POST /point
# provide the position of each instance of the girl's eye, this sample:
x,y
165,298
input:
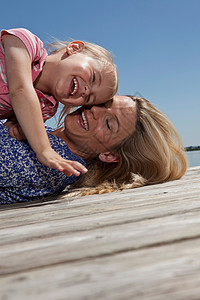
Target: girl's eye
x,y
108,125
93,79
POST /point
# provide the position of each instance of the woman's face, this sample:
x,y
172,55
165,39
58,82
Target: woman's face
x,y
98,129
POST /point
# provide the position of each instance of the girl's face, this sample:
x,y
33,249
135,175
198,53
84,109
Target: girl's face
x,y
81,80
97,129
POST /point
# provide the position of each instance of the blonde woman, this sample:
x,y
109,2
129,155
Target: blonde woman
x,y
153,153
125,143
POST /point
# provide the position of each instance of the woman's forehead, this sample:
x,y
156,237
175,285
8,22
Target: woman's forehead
x,y
125,109
123,102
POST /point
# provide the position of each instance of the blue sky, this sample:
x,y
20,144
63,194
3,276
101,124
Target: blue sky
x,y
155,44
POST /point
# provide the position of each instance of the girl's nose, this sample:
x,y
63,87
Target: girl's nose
x,y
86,91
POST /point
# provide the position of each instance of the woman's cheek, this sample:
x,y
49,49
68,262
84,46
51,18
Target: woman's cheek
x,y
104,137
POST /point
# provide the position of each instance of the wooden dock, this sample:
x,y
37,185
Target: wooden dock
x,y
134,244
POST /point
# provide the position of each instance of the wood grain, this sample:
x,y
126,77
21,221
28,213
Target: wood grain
x,y
133,244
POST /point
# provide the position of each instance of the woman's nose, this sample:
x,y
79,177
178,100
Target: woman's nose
x,y
98,111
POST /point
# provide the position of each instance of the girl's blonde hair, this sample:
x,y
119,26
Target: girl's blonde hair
x,y
98,53
152,154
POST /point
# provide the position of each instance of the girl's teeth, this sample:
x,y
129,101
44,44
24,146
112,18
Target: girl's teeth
x,y
84,121
75,86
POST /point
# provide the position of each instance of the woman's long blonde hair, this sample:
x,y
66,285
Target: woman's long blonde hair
x,y
154,153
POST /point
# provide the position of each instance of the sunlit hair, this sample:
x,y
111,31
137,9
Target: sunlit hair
x,y
154,153
101,55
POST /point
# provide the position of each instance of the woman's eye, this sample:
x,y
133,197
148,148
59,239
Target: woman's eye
x,y
93,79
108,125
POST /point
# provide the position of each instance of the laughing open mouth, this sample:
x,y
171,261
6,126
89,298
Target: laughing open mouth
x,y
85,123
74,87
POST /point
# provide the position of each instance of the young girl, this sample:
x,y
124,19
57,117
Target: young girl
x,y
33,82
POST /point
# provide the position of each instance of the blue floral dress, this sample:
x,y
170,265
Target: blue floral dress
x,y
23,177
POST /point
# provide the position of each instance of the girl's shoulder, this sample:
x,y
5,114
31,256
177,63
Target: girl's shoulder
x,y
32,42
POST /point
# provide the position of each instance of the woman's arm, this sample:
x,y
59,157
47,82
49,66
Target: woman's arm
x,y
26,106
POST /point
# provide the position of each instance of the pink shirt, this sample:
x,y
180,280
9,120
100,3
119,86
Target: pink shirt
x,y
37,54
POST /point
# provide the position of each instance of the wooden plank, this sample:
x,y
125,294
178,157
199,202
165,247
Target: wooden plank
x,y
141,243
111,213
29,253
158,273
101,220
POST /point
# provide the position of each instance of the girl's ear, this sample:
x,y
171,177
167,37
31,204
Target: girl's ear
x,y
74,47
108,157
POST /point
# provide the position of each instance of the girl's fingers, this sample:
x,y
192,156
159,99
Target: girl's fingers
x,y
79,166
53,160
69,168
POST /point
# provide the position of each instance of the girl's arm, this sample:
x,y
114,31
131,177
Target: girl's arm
x,y
27,109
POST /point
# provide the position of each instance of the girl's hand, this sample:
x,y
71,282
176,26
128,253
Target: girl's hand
x,y
53,160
